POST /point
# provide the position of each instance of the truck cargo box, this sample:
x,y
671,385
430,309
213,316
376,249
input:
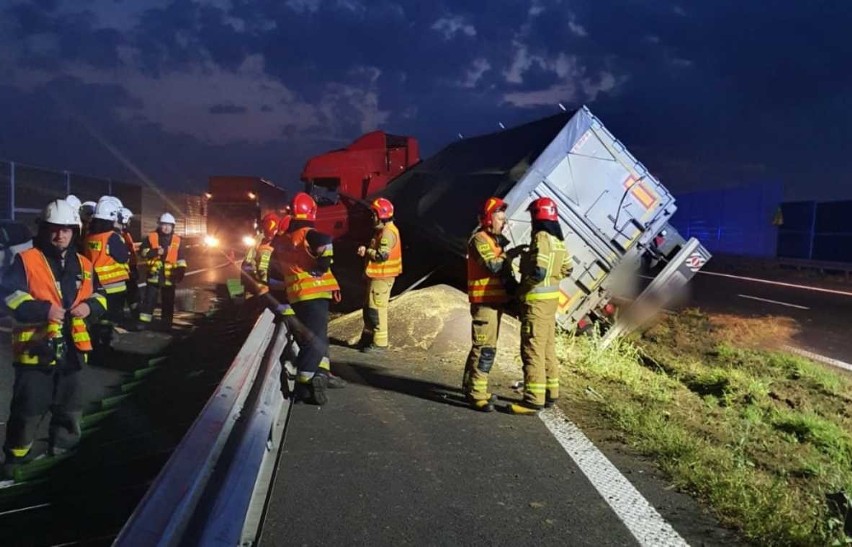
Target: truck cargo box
x,y
613,212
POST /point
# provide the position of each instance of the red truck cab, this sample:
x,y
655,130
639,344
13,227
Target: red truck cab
x,y
341,179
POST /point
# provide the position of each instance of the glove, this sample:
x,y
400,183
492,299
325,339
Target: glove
x,y
178,274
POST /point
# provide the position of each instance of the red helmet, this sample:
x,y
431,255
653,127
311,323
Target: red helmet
x,y
269,225
492,205
304,207
383,208
543,209
284,223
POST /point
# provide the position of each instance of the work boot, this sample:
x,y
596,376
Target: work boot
x,y
483,405
524,408
313,392
335,382
550,403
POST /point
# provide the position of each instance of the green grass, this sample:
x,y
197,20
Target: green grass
x,y
761,436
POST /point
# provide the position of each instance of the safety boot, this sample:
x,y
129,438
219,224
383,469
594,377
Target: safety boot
x,y
524,408
314,391
550,403
483,405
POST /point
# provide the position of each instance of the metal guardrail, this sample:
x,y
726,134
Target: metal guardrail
x,y
823,266
213,488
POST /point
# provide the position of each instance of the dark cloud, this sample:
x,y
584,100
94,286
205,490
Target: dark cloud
x,y
227,109
709,93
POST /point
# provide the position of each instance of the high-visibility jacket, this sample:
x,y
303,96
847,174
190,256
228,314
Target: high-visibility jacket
x,y
260,262
298,264
112,274
31,342
483,285
131,246
166,263
384,255
543,266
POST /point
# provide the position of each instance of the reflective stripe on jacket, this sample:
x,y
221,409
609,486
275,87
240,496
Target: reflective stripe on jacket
x,y
547,256
386,260
483,286
298,265
167,263
31,342
112,275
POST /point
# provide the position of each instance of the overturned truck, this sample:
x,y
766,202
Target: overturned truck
x,y
614,213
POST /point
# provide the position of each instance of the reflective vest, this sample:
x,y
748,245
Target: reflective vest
x,y
111,274
484,287
28,340
131,246
297,262
392,267
167,263
261,257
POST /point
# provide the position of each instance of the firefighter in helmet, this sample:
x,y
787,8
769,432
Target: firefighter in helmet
x,y
543,266
301,261
163,253
383,258
489,287
133,264
51,292
256,263
110,256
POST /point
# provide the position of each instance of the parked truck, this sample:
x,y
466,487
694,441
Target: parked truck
x,y
340,180
235,205
613,212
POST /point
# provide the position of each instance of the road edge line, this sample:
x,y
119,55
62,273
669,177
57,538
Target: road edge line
x,y
637,514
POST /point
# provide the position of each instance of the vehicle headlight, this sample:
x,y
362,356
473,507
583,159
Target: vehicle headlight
x,y
249,241
211,241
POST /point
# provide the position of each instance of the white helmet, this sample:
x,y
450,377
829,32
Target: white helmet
x,y
87,209
124,215
60,213
73,201
107,209
167,218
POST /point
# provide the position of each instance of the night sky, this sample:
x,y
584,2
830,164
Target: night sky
x,y
705,94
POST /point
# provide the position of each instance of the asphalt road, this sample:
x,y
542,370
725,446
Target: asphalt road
x,y
823,314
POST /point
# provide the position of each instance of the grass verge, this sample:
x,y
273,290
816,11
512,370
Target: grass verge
x,y
762,436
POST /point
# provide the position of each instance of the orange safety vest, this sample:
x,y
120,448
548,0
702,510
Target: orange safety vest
x,y
296,261
131,246
391,267
42,285
168,262
484,287
111,274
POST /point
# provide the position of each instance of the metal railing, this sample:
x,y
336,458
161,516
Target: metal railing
x,y
214,487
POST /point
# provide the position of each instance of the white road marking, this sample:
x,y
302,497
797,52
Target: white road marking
x,y
22,509
779,283
774,302
194,272
643,521
5,329
819,358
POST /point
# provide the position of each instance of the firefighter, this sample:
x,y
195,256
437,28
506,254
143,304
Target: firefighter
x,y
256,263
489,284
50,291
543,266
166,265
302,260
108,252
383,264
132,264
